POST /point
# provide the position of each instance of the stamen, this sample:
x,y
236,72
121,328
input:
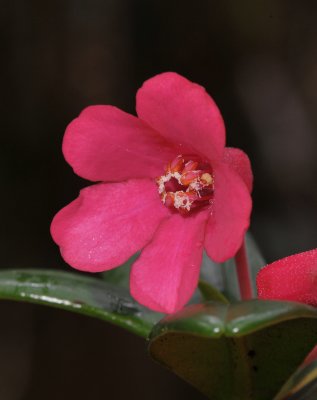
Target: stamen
x,y
206,179
190,177
198,184
190,166
176,165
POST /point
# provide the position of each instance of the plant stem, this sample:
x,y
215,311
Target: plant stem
x,y
243,273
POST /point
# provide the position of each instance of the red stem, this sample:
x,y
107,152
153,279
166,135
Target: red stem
x,y
243,273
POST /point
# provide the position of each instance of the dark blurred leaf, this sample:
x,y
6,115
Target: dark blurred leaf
x,y
80,294
245,350
210,293
224,277
255,257
302,385
120,276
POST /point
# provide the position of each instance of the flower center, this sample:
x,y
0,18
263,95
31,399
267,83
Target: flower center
x,y
187,184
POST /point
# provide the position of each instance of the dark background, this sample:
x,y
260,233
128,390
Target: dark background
x,y
258,59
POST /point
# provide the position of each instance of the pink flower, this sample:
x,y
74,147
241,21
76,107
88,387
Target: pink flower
x,y
292,278
169,188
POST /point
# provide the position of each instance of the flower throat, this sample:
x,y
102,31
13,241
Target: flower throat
x,y
187,184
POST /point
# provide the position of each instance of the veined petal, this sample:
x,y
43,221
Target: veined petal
x,y
108,223
107,144
292,278
239,162
230,215
166,274
183,113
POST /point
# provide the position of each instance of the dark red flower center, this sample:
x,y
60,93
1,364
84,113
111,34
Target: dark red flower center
x,y
188,183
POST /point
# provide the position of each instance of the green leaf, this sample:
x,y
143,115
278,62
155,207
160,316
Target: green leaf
x,y
245,350
302,385
78,293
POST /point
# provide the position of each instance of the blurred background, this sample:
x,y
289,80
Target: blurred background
x,y
258,59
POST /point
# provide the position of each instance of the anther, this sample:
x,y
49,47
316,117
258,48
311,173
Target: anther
x,y
190,166
189,177
206,179
176,165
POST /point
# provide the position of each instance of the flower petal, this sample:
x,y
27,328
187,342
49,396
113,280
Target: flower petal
x,y
230,215
292,278
108,223
107,144
184,113
166,274
239,161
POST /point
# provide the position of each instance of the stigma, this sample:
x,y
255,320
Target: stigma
x,y
188,183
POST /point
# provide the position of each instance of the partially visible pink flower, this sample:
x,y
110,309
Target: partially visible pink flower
x,y
169,188
292,278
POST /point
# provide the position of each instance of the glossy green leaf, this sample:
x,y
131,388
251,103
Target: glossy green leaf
x,y
302,385
78,293
245,350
